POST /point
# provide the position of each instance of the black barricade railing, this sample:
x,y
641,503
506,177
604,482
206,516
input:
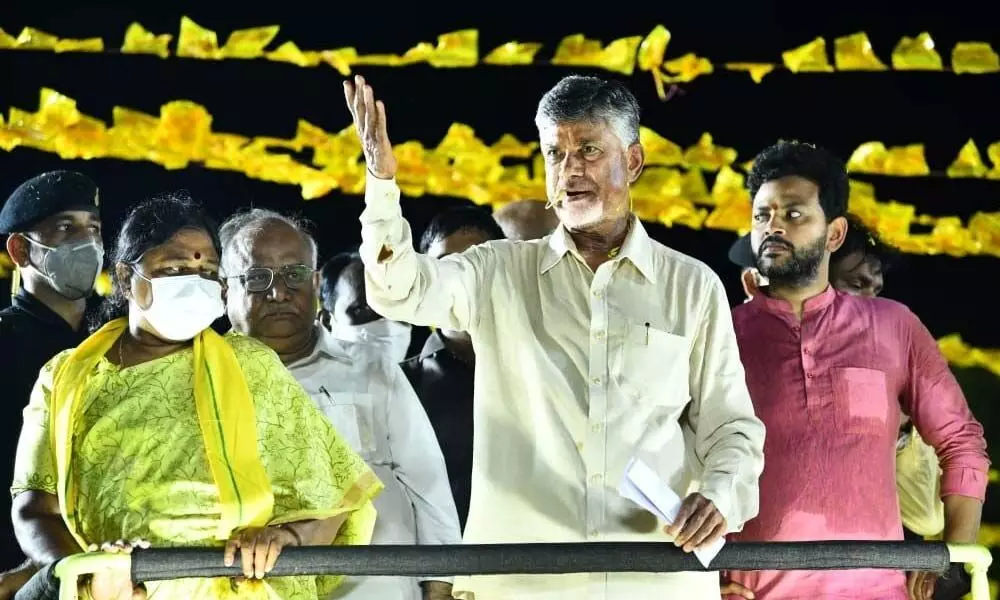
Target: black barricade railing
x,y
159,564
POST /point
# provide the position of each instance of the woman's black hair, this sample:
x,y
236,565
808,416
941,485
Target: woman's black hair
x,y
148,225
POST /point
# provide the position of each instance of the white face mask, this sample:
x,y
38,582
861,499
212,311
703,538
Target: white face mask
x,y
392,336
182,307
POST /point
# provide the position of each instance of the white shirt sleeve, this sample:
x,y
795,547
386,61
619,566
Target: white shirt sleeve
x,y
419,465
729,438
406,286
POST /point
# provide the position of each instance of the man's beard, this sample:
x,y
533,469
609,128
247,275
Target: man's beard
x,y
799,269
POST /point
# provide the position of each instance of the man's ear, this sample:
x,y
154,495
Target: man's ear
x,y
836,233
324,319
635,160
19,248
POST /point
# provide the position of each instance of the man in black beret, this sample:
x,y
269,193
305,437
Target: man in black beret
x,y
53,234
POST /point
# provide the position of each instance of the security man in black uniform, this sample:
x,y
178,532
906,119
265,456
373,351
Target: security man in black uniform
x,y
54,238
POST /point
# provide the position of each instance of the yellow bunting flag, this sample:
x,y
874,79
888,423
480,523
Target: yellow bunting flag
x,y
757,71
513,53
854,53
974,57
874,157
248,43
807,58
140,41
968,163
578,51
687,68
650,56
994,153
673,190
916,54
196,41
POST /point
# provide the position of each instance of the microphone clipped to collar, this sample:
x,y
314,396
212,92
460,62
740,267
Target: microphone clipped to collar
x,y
558,201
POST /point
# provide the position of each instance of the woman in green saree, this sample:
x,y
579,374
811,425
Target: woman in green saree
x,y
157,428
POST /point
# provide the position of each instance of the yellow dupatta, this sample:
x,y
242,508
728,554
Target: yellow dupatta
x,y
226,416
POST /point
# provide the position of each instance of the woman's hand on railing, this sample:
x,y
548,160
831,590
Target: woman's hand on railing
x,y
259,549
115,584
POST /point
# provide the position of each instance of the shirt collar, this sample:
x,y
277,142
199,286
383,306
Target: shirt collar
x,y
777,305
326,346
433,345
637,248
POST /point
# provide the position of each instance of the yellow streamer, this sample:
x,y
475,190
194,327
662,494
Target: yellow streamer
x,y
974,57
968,163
855,53
513,53
874,157
140,41
461,49
672,190
916,54
809,57
578,51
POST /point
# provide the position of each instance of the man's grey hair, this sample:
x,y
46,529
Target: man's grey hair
x,y
251,222
580,98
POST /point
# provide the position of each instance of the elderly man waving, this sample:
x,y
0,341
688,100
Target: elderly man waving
x,y
593,345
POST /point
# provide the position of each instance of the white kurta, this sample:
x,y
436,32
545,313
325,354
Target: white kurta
x,y
369,401
576,373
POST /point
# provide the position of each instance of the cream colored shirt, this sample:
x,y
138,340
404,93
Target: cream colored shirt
x,y
576,373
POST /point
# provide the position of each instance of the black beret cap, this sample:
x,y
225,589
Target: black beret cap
x,y
45,195
741,254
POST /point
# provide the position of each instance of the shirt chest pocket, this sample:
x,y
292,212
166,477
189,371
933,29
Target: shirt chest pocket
x,y
352,416
862,400
653,365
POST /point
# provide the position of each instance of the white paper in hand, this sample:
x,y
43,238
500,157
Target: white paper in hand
x,y
642,486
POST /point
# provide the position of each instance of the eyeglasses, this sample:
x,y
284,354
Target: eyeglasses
x,y
260,279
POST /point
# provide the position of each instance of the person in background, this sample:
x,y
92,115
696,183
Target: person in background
x,y
830,373
594,346
524,220
443,373
133,452
345,312
269,261
53,228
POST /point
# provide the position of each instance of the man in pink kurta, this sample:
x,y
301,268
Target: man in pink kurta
x,y
827,374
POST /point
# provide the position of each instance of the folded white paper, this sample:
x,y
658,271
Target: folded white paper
x,y
642,486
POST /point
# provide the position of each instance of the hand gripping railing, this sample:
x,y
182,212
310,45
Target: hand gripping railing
x,y
160,564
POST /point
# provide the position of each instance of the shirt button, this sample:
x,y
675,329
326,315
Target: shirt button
x,y
579,446
810,375
594,534
596,381
599,335
598,293
596,428
596,479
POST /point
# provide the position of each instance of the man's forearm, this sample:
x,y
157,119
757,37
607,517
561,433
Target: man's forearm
x,y
962,516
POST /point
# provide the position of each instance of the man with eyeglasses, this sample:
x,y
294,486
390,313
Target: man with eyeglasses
x,y
269,263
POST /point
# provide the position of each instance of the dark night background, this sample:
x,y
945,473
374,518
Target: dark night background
x,y
262,98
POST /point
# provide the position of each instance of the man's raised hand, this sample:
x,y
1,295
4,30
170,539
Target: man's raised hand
x,y
369,120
